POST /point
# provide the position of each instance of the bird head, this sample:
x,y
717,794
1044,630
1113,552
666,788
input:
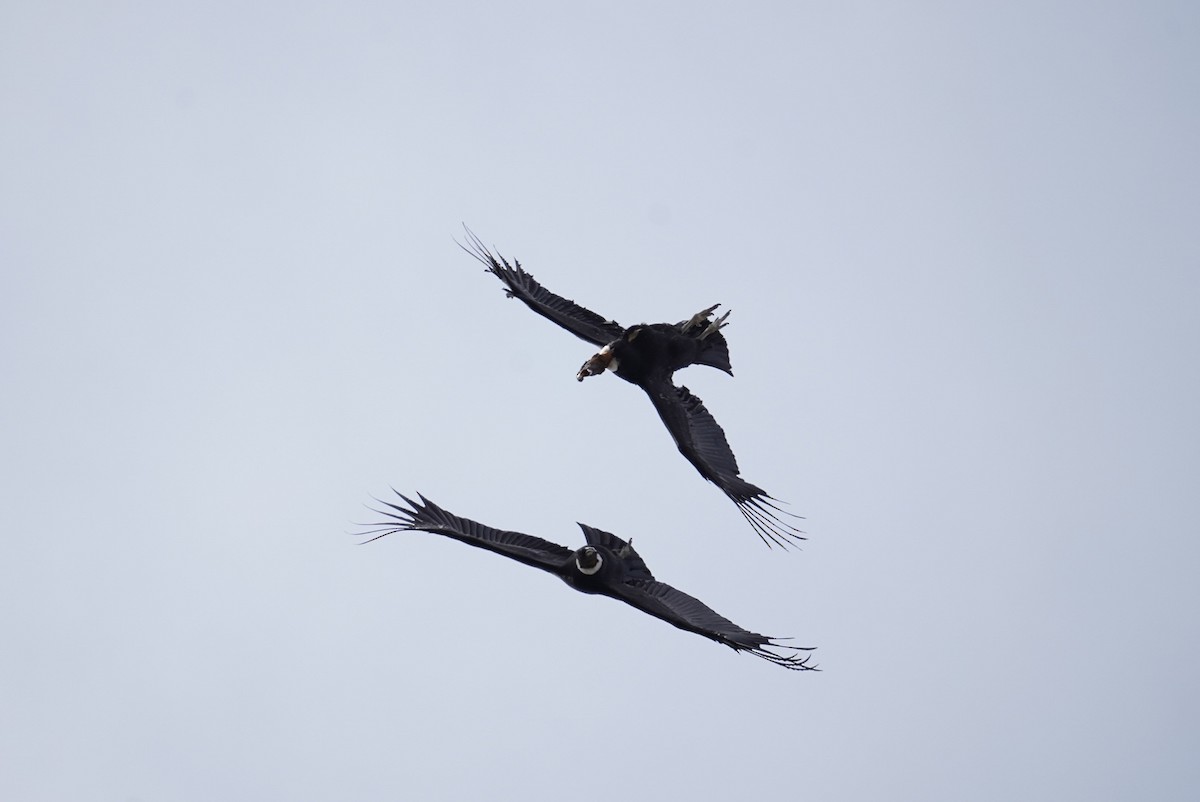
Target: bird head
x,y
602,360
588,560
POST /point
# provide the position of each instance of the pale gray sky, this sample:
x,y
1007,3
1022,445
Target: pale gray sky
x,y
960,246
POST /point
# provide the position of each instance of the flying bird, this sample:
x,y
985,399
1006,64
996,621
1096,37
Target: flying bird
x,y
648,355
607,566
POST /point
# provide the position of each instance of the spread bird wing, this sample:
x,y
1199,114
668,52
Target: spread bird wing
x,y
702,441
429,517
583,323
692,615
635,566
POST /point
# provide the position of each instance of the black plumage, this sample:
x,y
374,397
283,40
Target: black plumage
x,y
606,566
648,355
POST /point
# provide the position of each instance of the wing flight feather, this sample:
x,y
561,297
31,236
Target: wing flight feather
x,y
429,517
702,441
692,615
581,322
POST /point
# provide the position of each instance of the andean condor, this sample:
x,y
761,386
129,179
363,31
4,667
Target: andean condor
x,y
648,355
607,566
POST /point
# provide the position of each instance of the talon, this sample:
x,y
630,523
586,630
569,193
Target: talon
x,y
698,319
716,325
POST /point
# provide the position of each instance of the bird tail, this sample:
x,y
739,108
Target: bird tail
x,y
714,352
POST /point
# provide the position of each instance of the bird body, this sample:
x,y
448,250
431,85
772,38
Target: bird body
x,y
651,353
606,566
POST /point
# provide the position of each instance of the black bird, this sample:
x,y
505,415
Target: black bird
x,y
607,566
648,355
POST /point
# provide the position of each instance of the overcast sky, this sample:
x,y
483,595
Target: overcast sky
x,y
961,250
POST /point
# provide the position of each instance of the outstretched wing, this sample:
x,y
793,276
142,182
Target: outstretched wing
x,y
701,439
583,323
690,614
429,517
635,566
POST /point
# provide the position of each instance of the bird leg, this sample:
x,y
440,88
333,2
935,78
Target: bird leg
x,y
698,319
715,325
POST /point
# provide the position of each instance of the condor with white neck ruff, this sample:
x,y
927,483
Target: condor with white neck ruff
x,y
606,566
